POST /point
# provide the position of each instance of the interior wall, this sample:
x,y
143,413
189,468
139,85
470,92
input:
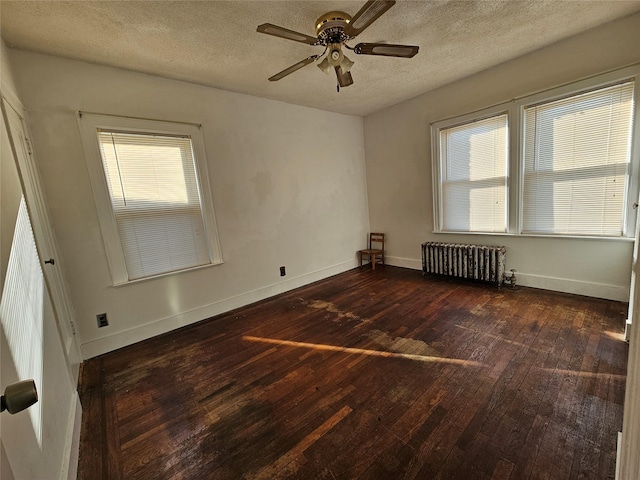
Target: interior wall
x,y
288,187
398,165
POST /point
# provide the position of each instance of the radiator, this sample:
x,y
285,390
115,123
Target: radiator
x,y
475,262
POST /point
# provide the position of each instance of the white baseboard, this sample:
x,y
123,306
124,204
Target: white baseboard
x,y
578,287
566,285
618,450
127,337
403,262
72,446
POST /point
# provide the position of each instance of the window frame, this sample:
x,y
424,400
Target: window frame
x,y
438,174
516,169
89,124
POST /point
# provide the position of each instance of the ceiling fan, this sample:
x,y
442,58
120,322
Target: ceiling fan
x,y
333,31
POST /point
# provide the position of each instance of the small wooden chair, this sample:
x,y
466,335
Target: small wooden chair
x,y
373,253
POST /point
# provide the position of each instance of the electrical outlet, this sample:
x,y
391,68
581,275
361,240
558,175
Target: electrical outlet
x,y
283,272
102,320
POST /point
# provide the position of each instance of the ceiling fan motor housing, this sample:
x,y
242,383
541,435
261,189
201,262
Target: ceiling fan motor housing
x,y
330,28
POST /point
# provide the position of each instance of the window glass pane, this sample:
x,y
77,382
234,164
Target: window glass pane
x,y
577,153
474,175
154,192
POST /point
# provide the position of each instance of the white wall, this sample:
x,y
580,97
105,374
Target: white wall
x,y
288,186
398,165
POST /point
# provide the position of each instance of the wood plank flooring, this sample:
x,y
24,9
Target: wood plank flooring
x,y
367,375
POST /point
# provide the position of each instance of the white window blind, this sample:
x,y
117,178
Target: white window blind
x,y
576,157
153,187
474,159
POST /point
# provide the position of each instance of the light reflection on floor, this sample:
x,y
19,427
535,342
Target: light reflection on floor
x,y
580,373
615,335
363,351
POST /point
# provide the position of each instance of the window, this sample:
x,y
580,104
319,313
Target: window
x,y
571,153
153,200
576,157
474,175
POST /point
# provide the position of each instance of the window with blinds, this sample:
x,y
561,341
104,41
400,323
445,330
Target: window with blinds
x,y
562,162
473,165
576,163
155,196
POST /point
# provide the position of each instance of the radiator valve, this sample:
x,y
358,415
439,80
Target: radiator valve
x,y
512,278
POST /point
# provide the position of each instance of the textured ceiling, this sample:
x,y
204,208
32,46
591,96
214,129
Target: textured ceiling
x,y
215,43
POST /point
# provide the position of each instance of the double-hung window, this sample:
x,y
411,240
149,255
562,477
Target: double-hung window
x,y
152,193
576,163
573,162
474,159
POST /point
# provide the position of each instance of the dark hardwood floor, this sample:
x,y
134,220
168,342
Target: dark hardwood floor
x,y
367,375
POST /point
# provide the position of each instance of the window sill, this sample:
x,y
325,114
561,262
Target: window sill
x,y
167,274
541,235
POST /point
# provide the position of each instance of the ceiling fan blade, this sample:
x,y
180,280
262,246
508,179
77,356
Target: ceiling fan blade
x,y
368,14
344,78
293,68
386,49
281,32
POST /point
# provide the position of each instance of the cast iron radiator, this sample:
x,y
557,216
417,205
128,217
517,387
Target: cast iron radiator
x,y
476,262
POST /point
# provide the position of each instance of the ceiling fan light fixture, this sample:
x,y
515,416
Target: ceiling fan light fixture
x,y
324,65
346,64
344,78
335,58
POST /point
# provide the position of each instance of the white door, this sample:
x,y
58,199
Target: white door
x,y
34,441
40,442
56,286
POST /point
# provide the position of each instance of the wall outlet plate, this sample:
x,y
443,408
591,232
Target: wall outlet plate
x,y
283,271
102,320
